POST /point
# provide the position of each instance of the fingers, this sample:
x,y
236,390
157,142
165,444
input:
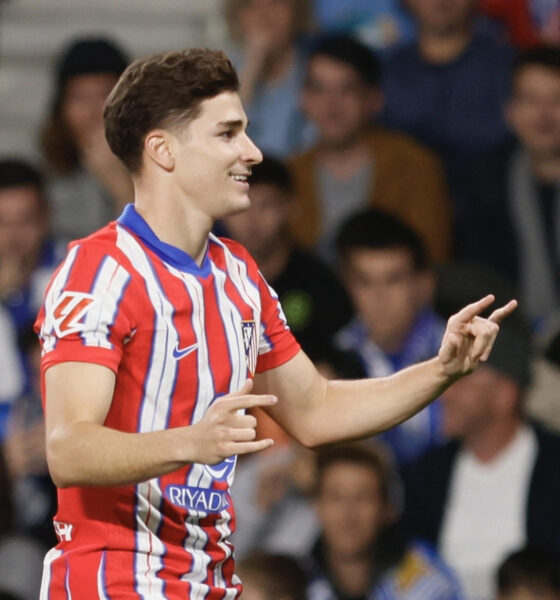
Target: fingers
x,y
244,389
449,350
233,403
484,333
470,311
251,447
504,311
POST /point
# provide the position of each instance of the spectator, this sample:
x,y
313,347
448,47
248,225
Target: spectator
x,y
360,553
271,577
315,306
33,492
382,24
496,486
28,255
88,185
269,59
529,574
21,558
448,88
516,189
11,371
272,489
354,165
388,276
528,22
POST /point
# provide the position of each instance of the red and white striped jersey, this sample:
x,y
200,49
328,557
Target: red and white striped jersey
x,y
178,336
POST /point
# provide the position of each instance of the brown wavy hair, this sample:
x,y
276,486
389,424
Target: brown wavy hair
x,y
162,90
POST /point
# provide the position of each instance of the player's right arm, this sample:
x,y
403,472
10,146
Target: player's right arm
x,y
81,450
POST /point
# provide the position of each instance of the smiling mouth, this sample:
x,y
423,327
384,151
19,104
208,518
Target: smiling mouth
x,y
240,178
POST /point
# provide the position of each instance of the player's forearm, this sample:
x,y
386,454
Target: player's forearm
x,y
84,453
358,409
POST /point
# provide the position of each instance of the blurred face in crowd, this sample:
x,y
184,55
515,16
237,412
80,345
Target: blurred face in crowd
x,y
533,593
23,223
476,402
272,19
442,16
534,110
82,104
262,227
338,102
351,508
387,292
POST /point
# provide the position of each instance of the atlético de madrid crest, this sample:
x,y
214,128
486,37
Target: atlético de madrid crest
x,y
250,342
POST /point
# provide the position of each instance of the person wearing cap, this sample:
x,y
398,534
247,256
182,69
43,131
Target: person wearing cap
x,y
87,184
496,486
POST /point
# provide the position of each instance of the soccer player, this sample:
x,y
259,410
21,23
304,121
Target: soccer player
x,y
157,335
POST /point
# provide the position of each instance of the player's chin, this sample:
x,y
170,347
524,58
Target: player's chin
x,y
236,205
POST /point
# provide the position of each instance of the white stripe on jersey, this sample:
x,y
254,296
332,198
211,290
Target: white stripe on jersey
x,y
67,582
49,340
159,385
206,391
197,538
50,557
110,282
231,318
101,579
237,269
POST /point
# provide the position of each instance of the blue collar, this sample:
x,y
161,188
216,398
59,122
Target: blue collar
x,y
170,254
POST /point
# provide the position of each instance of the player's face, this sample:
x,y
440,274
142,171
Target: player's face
x,y
22,223
262,227
442,16
214,156
534,111
337,101
386,292
468,405
350,508
82,105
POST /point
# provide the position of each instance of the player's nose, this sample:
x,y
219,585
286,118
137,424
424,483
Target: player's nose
x,y
251,153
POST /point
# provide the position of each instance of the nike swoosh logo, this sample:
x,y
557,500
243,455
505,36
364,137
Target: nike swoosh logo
x,y
179,353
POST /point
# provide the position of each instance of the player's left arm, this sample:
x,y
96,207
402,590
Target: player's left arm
x,y
316,411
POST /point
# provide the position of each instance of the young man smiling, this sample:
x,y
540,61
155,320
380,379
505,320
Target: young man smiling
x,y
141,433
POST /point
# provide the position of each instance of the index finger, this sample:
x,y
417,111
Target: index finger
x,y
470,311
234,403
502,312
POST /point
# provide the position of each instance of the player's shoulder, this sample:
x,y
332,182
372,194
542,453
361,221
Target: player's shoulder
x,y
98,246
235,249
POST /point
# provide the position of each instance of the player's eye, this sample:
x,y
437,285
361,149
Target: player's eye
x,y
228,134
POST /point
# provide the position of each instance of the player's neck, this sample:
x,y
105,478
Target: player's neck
x,y
179,225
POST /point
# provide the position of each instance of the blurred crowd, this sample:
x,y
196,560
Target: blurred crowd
x,y
412,165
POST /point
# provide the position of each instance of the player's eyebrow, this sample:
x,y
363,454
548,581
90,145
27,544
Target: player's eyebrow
x,y
234,124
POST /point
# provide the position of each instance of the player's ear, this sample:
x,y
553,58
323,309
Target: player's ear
x,y
158,148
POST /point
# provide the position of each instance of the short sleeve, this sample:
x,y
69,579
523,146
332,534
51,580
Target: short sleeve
x,y
84,316
277,344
